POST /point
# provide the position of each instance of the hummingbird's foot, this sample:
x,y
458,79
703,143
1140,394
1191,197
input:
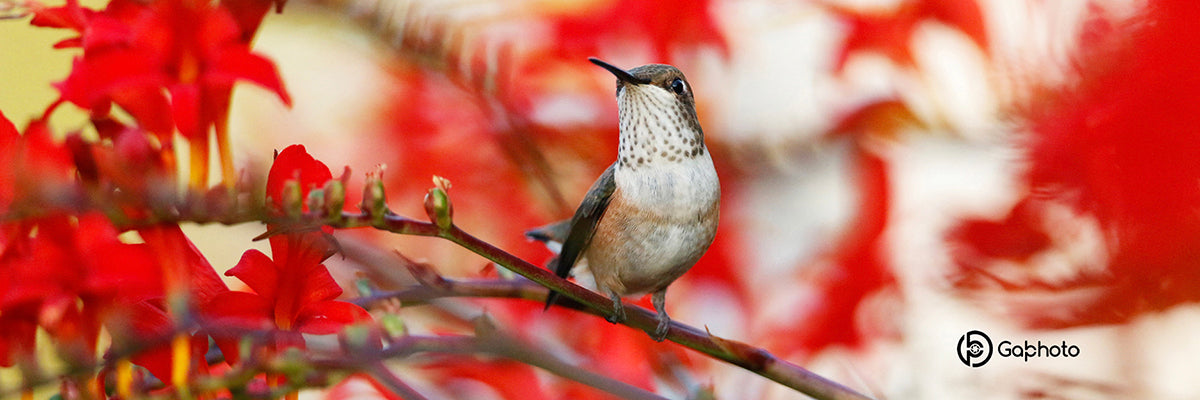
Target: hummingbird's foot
x,y
618,315
664,326
664,321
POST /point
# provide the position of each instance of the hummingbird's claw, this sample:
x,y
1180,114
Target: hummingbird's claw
x,y
659,299
618,315
664,325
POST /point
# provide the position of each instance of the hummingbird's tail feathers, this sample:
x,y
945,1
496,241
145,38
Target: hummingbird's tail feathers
x,y
550,299
555,232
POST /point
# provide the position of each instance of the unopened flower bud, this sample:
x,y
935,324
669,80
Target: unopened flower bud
x,y
437,204
361,339
316,201
293,205
374,201
393,325
335,199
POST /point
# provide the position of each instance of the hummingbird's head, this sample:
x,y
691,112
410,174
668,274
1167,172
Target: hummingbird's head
x,y
657,114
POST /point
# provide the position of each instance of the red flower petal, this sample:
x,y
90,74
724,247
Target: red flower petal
x,y
231,314
240,63
318,285
294,163
152,326
69,16
239,310
301,250
328,317
185,109
194,50
95,77
175,251
149,106
8,132
258,272
17,339
1016,238
890,33
128,273
303,281
663,25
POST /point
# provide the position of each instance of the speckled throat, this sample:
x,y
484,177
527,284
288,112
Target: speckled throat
x,y
657,125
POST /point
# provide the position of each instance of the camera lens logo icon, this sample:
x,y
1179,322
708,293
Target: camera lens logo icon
x,y
974,349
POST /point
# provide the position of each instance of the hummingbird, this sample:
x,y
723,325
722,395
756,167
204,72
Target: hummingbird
x,y
653,213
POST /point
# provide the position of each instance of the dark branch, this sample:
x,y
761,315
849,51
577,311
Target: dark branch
x,y
737,353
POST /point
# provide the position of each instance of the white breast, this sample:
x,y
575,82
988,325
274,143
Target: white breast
x,y
676,205
679,190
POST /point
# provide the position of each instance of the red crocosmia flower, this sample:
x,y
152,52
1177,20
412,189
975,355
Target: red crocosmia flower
x,y
72,275
32,161
170,64
662,25
1122,146
294,164
140,294
132,164
1017,237
297,296
293,291
37,287
890,32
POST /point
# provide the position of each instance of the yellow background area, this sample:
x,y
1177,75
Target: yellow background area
x,y
29,65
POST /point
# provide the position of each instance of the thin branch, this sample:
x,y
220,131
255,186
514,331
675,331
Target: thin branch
x,y
433,286
387,379
506,346
737,353
487,340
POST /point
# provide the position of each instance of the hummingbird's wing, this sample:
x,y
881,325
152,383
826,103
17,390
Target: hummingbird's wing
x,y
583,225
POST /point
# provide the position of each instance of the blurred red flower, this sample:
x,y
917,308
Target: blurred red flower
x,y
171,64
31,161
71,275
132,51
889,32
1122,147
660,26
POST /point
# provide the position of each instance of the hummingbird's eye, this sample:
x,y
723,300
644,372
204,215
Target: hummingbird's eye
x,y
678,86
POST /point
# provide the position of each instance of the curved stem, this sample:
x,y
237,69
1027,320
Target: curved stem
x,y
737,353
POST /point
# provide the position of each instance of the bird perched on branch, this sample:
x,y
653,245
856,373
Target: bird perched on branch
x,y
653,212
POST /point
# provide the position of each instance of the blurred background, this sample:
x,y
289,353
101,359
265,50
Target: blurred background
x,y
895,173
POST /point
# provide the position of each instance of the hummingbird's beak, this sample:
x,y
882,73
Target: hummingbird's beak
x,y
622,75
